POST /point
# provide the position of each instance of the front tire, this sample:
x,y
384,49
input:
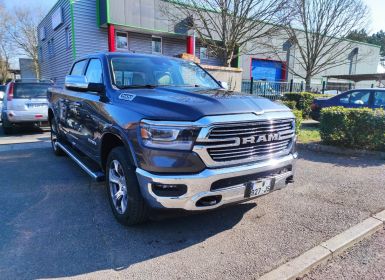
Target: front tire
x,y
123,191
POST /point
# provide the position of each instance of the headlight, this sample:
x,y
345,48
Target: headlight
x,y
167,137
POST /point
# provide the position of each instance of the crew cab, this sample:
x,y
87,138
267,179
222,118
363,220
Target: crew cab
x,y
164,134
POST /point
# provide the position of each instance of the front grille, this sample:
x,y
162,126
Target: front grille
x,y
236,142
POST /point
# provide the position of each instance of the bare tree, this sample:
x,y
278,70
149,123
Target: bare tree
x,y
5,52
227,27
5,46
318,31
22,30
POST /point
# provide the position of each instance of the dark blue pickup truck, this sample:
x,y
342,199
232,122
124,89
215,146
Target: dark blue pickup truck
x,y
164,134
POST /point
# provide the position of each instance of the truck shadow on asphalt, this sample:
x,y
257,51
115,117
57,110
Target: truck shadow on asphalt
x,y
25,130
341,160
56,222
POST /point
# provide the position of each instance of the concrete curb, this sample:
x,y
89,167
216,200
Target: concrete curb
x,y
302,264
316,147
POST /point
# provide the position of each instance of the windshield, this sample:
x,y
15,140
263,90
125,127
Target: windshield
x,y
148,71
30,90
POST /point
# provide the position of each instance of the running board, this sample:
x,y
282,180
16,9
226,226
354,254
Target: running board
x,y
97,175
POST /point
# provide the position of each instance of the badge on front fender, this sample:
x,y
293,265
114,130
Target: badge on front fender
x,y
127,96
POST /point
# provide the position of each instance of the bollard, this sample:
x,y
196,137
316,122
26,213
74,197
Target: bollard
x,y
323,87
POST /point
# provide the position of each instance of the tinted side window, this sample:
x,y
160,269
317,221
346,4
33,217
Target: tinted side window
x,y
379,99
94,71
78,68
356,98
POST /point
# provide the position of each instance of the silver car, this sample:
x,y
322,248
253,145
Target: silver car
x,y
25,102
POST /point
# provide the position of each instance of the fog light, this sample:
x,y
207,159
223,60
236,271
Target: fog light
x,y
209,201
172,190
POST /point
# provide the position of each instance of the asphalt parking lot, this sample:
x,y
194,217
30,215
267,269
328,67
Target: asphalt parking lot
x,y
56,222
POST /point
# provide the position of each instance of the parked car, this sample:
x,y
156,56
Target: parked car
x,y
164,134
356,98
25,103
2,93
332,92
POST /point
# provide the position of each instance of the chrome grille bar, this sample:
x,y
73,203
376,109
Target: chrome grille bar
x,y
249,154
251,149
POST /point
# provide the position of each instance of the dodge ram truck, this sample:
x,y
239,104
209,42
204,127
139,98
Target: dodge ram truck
x,y
164,134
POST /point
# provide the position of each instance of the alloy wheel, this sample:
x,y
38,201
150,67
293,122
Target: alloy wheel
x,y
118,187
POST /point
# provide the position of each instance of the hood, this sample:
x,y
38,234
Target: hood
x,y
191,104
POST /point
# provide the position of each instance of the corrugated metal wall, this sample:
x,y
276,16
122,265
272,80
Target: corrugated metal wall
x,y
139,43
211,60
89,38
56,66
171,46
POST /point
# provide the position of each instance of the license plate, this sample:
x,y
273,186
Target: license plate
x,y
36,105
258,188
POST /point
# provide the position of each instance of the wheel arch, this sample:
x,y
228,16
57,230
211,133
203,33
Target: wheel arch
x,y
112,139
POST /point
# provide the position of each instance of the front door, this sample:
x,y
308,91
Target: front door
x,y
91,111
379,99
70,119
355,99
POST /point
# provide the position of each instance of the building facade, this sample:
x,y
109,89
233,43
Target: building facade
x,y
74,28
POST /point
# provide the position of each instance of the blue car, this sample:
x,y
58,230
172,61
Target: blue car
x,y
357,98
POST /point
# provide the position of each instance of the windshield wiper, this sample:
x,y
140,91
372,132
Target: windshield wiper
x,y
138,86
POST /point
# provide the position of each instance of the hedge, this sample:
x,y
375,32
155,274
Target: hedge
x,y
298,120
291,104
302,101
353,128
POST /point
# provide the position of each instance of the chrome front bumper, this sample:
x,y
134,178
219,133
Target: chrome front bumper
x,y
199,185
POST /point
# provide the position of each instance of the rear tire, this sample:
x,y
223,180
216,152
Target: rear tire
x,y
54,138
126,201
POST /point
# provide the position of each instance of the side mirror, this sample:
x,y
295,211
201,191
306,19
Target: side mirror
x,y
224,85
77,83
97,87
80,83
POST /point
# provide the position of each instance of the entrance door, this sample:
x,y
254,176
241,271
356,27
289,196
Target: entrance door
x,y
266,70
